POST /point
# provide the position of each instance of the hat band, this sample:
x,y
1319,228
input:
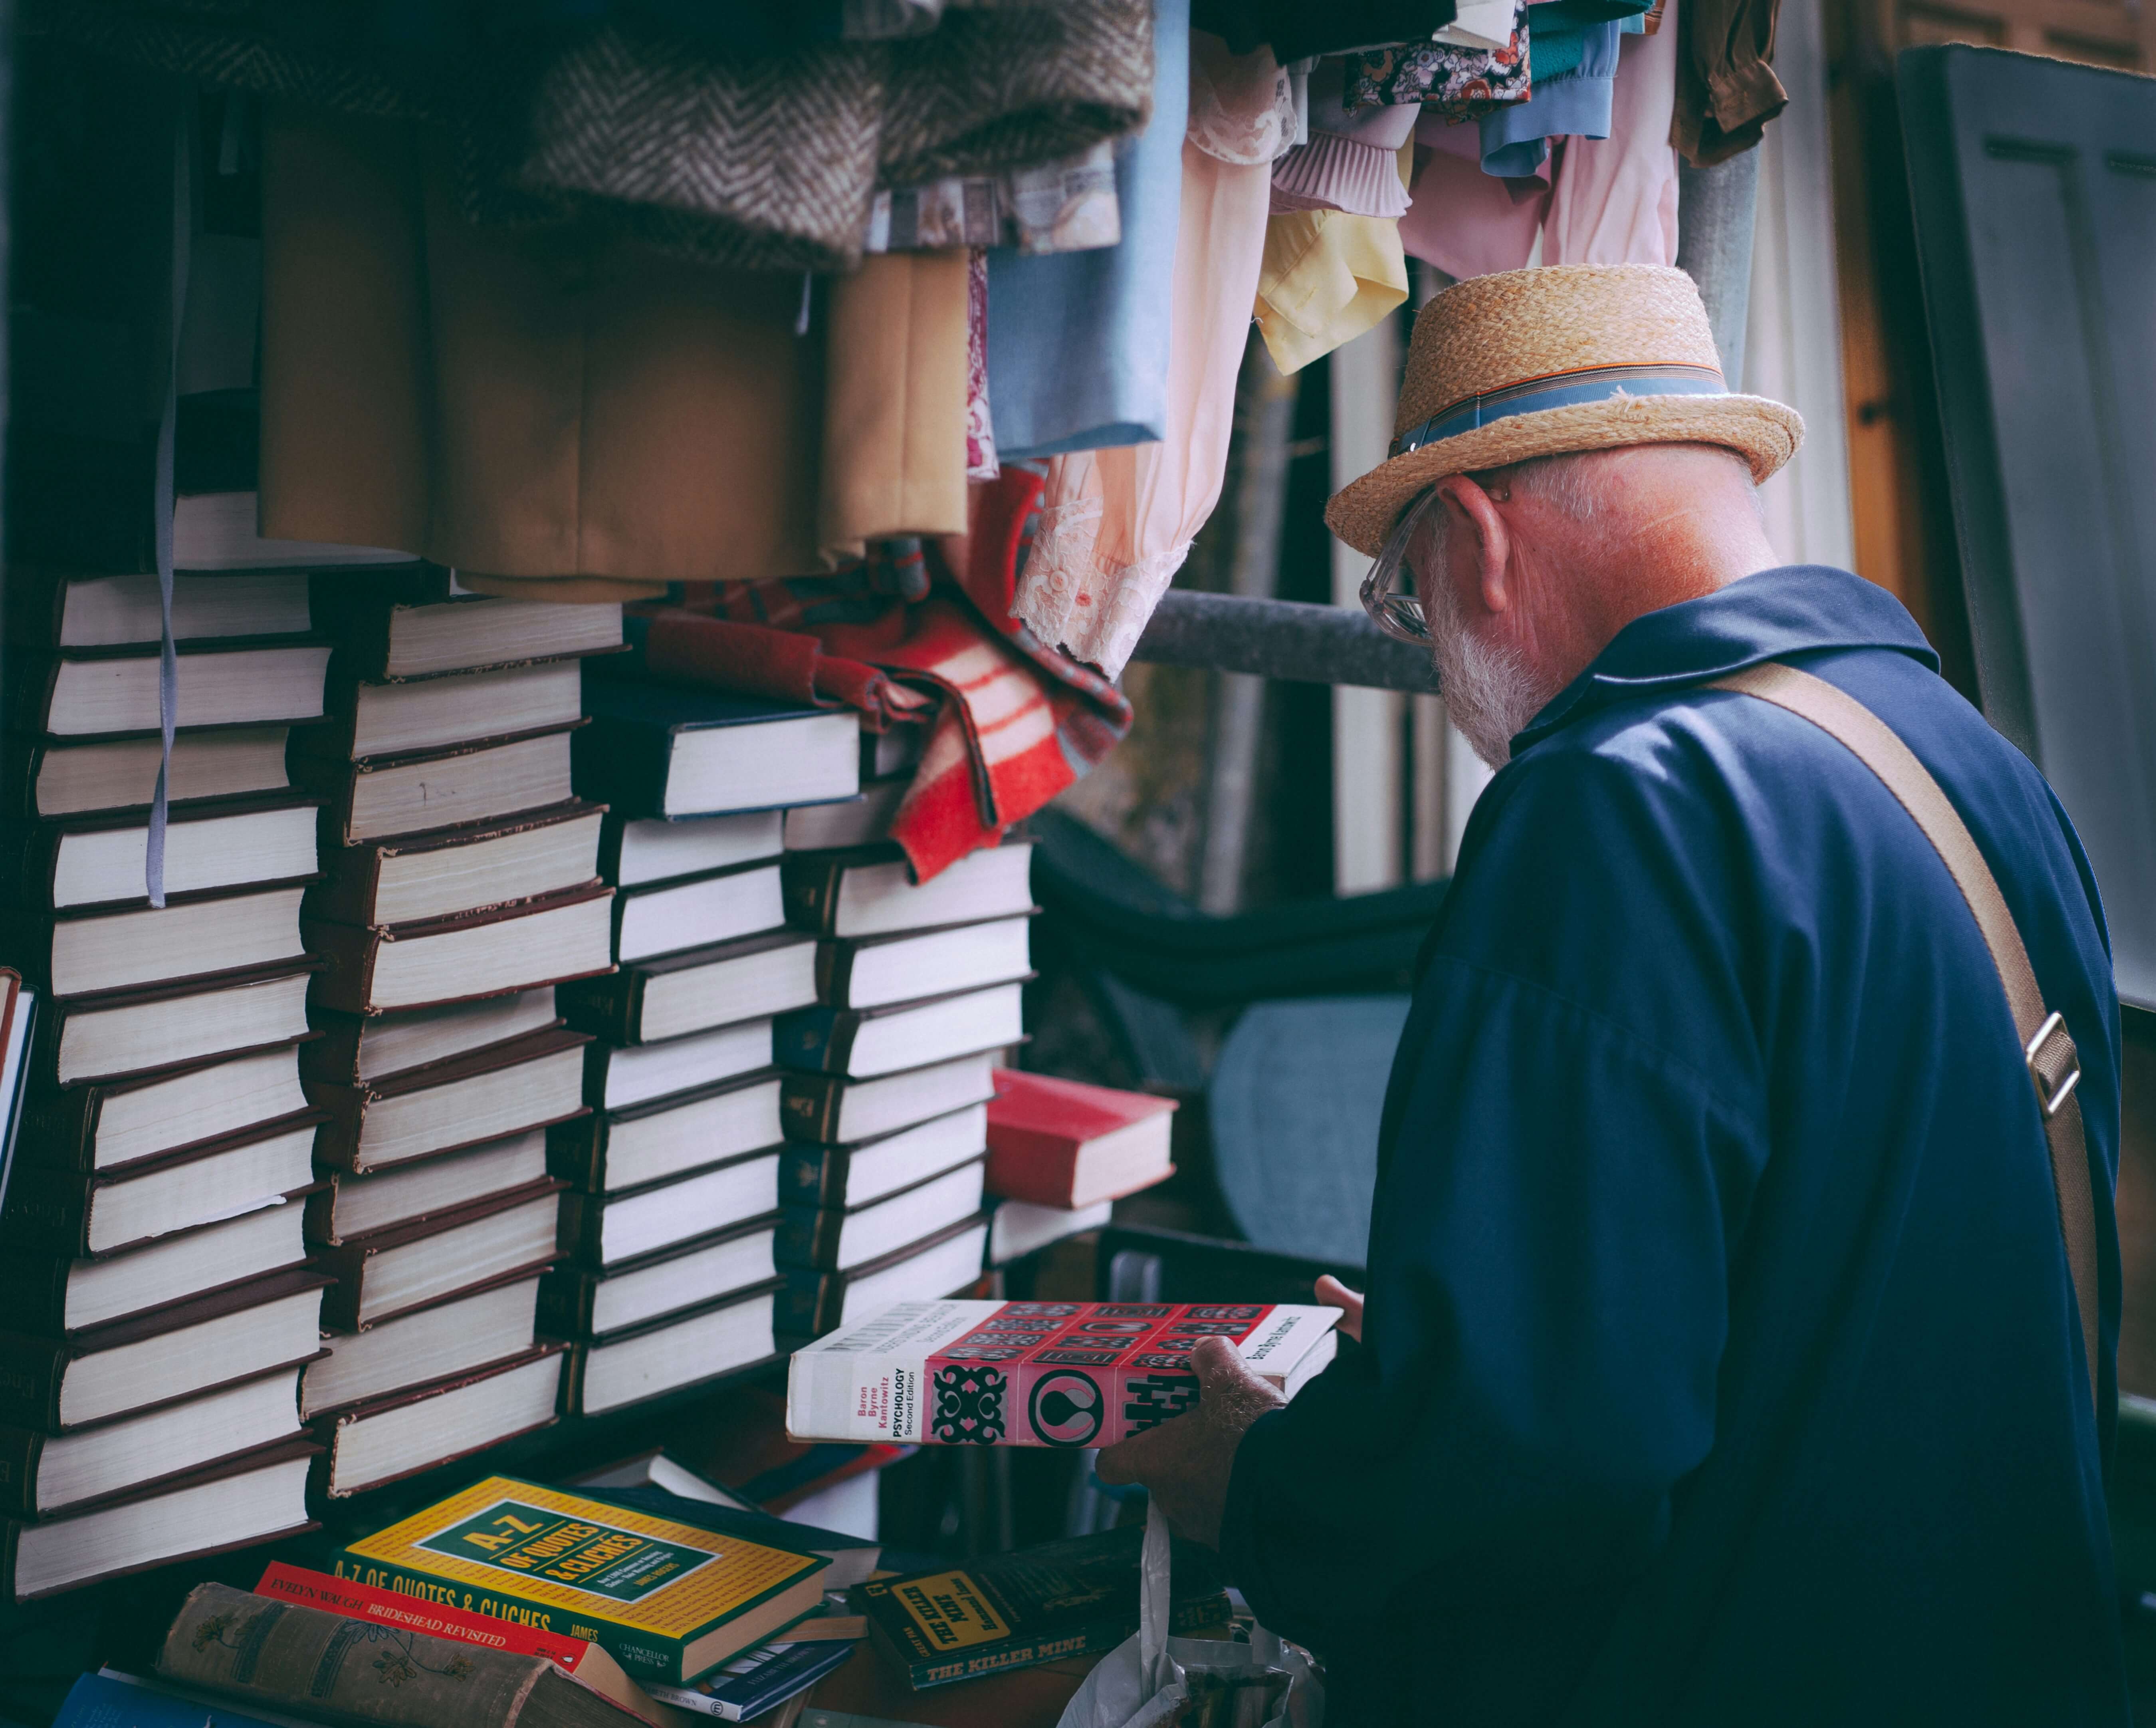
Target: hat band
x,y
1602,383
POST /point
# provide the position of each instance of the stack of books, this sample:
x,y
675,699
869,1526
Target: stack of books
x,y
156,1306
1061,1153
671,1219
918,989
460,884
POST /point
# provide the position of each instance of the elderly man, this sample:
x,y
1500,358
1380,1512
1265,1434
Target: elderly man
x,y
1722,1361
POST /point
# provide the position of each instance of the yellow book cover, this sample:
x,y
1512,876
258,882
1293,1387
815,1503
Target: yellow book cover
x,y
668,1601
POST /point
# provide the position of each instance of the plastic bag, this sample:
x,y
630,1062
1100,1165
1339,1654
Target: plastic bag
x,y
1142,1682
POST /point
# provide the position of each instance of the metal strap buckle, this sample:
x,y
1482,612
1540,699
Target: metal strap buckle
x,y
2050,1096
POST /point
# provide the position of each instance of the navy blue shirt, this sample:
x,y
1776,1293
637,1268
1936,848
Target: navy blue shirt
x,y
1720,1362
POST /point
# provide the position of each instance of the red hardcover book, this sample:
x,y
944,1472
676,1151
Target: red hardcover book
x,y
1063,1142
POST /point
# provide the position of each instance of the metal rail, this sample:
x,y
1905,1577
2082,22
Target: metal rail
x,y
1281,639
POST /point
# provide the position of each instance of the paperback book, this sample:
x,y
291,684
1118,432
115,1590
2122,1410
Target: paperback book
x,y
1073,1374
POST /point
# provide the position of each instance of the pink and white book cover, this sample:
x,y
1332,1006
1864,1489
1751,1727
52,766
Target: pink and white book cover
x,y
1036,1373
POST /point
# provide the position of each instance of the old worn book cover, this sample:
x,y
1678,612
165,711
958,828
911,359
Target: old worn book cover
x,y
1039,1604
667,1600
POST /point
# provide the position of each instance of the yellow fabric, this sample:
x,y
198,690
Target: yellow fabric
x,y
1327,277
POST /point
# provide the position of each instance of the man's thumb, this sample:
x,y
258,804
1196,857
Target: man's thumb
x,y
1218,1364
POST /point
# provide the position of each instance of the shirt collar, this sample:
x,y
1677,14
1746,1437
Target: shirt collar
x,y
1798,609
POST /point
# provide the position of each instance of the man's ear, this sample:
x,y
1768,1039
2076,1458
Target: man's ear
x,y
1474,527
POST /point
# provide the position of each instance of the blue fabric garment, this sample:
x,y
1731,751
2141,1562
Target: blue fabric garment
x,y
1720,1363
1574,104
1078,341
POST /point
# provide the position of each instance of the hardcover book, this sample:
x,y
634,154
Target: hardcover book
x,y
65,780
449,871
814,1301
109,1124
1039,1604
388,1438
491,952
130,1032
590,1664
718,1337
1036,1373
667,1600
252,1499
870,891
1063,1142
655,750
416,624
646,1001
863,1043
468,783
282,1655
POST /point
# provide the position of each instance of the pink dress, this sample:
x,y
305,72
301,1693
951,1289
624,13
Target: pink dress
x,y
1117,523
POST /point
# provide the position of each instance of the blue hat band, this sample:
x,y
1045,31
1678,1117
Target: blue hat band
x,y
1605,383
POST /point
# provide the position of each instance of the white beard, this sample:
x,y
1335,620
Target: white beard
x,y
1490,692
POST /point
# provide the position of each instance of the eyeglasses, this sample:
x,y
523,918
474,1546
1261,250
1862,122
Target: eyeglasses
x,y
1398,612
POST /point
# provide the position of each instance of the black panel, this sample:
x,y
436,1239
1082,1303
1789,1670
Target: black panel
x,y
2034,188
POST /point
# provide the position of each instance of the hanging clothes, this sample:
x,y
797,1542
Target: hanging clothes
x,y
673,138
1078,343
1464,221
1616,199
1460,82
895,380
1328,276
1351,162
517,406
1117,523
1727,90
1303,29
1570,101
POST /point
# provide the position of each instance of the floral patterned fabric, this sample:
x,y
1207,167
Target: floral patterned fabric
x,y
1460,83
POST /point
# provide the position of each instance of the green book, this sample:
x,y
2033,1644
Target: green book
x,y
667,1600
1041,1604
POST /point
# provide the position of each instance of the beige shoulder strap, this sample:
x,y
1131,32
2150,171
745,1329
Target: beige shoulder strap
x,y
2047,1052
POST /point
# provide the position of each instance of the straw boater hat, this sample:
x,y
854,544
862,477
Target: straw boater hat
x,y
1538,363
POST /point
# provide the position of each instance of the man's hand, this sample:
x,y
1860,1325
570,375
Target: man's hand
x,y
1332,1294
1185,1464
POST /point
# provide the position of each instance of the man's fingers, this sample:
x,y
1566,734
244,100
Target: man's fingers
x,y
1218,1364
1126,1461
1330,1293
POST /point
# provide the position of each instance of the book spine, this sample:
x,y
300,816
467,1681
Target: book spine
x,y
29,865
806,1304
347,1265
319,1221
31,1370
345,894
59,1129
48,1210
812,1176
644,1655
30,693
33,1291
19,1448
331,1059
810,1236
622,765
578,1227
350,950
281,1653
809,887
810,1106
820,1039
834,972
1026,1164
575,1152
1195,1614
337,1143
597,1057
608,1007
566,1297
